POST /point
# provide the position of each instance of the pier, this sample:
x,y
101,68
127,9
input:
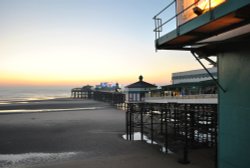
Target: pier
x,y
82,93
114,98
177,124
177,127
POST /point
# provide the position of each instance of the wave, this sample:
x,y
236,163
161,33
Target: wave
x,y
9,95
45,110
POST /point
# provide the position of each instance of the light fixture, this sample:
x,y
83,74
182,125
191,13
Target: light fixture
x,y
197,10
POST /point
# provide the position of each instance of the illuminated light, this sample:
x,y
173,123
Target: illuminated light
x,y
205,5
197,10
189,9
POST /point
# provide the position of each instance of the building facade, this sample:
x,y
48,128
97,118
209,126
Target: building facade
x,y
136,92
193,76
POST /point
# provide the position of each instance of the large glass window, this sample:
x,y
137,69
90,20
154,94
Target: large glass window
x,y
189,9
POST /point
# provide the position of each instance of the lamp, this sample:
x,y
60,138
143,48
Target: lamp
x,y
197,10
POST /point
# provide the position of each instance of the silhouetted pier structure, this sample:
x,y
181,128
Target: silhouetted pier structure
x,y
175,126
221,29
112,97
82,93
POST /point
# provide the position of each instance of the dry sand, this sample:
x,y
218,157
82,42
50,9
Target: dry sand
x,y
83,138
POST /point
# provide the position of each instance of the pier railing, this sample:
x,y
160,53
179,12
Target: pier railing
x,y
197,96
187,99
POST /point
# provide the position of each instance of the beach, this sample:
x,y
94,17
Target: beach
x,y
74,133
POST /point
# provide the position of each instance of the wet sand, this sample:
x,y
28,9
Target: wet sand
x,y
87,138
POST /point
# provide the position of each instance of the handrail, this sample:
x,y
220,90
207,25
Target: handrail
x,y
164,9
198,96
159,27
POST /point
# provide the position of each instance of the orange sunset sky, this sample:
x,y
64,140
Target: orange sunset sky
x,y
77,42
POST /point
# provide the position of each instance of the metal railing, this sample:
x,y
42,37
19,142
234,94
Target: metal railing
x,y
199,96
159,23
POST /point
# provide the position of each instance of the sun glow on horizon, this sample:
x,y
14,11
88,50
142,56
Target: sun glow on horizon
x,y
82,42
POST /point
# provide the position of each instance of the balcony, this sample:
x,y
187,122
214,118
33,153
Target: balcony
x,y
193,26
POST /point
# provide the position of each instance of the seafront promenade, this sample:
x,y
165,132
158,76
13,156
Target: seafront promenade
x,y
77,133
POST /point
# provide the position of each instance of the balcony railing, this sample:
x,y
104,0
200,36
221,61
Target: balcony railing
x,y
165,21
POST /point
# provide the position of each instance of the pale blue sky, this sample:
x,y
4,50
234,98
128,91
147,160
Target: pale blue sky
x,y
75,42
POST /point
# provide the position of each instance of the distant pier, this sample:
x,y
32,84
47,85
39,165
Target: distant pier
x,y
86,92
82,93
178,124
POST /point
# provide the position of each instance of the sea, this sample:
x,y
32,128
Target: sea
x,y
24,93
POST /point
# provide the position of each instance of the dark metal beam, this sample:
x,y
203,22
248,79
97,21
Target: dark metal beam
x,y
215,80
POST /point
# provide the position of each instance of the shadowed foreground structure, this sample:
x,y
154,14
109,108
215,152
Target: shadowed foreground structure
x,y
221,28
93,135
179,127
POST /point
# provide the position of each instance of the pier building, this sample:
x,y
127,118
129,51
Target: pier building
x,y
109,92
192,82
196,75
135,92
216,28
106,94
107,86
85,92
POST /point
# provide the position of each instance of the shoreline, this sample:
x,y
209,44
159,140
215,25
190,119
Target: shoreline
x,y
92,138
30,100
50,105
47,138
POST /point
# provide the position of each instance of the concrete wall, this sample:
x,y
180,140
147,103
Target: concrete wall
x,y
234,107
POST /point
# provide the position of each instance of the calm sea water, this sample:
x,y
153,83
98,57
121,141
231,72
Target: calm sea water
x,y
10,94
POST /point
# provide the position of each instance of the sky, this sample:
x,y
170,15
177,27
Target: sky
x,y
78,42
